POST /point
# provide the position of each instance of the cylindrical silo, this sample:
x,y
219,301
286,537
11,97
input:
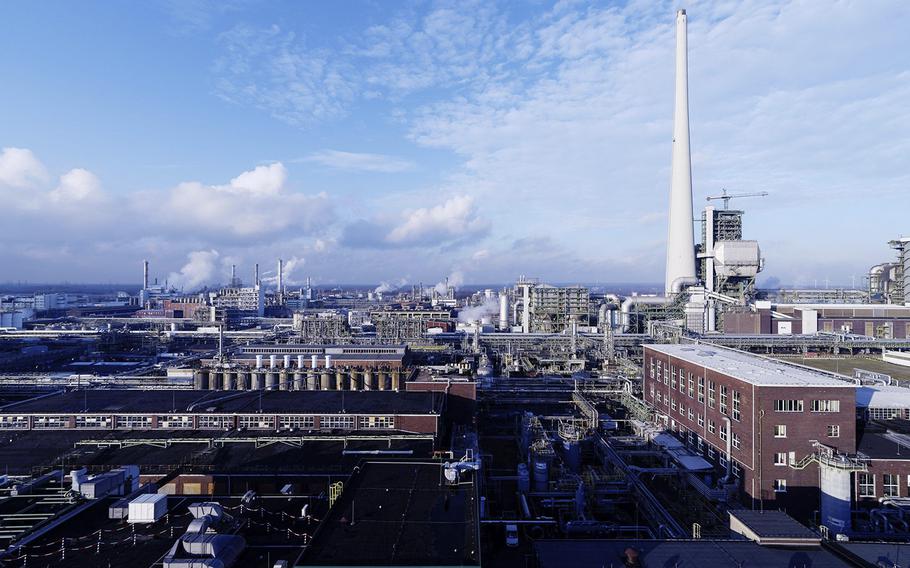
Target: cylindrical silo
x,y
273,361
257,379
381,379
243,380
339,379
271,380
396,380
283,380
835,502
228,381
311,380
287,361
367,379
328,361
201,379
300,361
215,380
326,380
355,379
299,380
258,361
314,361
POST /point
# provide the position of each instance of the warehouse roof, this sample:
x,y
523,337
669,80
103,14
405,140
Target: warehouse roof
x,y
166,402
753,369
881,396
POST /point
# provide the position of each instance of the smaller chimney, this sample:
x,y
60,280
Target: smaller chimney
x,y
145,274
256,275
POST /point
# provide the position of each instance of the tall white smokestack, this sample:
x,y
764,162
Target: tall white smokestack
x,y
145,275
280,278
681,233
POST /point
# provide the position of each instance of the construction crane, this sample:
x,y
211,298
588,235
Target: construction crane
x,y
728,196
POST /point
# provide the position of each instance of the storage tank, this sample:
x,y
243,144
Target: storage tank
x,y
524,478
314,361
503,311
380,380
228,378
271,380
283,380
396,380
273,361
326,380
311,380
835,501
258,361
299,380
256,380
355,379
243,380
367,380
541,474
328,361
201,380
215,378
300,361
339,380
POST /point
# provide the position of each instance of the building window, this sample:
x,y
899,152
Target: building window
x,y
381,422
682,383
257,422
737,470
182,422
723,434
214,421
701,420
712,427
890,485
834,431
652,390
866,483
712,394
134,422
673,378
691,414
712,454
19,422
701,389
735,441
296,422
652,367
788,405
682,410
723,399
780,458
338,422
672,403
657,397
780,431
89,421
825,406
883,413
780,485
691,386
737,407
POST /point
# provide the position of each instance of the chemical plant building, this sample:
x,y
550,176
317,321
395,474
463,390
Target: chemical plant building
x,y
752,416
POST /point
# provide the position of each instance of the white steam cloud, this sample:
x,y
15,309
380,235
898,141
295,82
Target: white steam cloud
x,y
489,307
456,279
201,269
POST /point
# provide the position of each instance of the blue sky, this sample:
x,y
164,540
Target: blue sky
x,y
408,141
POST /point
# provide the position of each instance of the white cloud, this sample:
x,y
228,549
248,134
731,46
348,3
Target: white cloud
x,y
451,223
201,269
19,168
360,161
77,185
456,218
256,203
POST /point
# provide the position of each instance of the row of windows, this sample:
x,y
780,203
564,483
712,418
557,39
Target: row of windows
x,y
832,431
890,484
205,421
794,405
671,376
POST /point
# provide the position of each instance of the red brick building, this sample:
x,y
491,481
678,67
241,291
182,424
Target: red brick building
x,y
766,414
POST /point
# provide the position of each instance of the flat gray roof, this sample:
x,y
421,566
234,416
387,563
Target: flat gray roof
x,y
749,368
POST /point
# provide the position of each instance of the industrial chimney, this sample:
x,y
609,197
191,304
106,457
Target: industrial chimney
x,y
145,275
280,278
256,276
681,233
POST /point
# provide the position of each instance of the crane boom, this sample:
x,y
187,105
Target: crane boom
x,y
728,196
